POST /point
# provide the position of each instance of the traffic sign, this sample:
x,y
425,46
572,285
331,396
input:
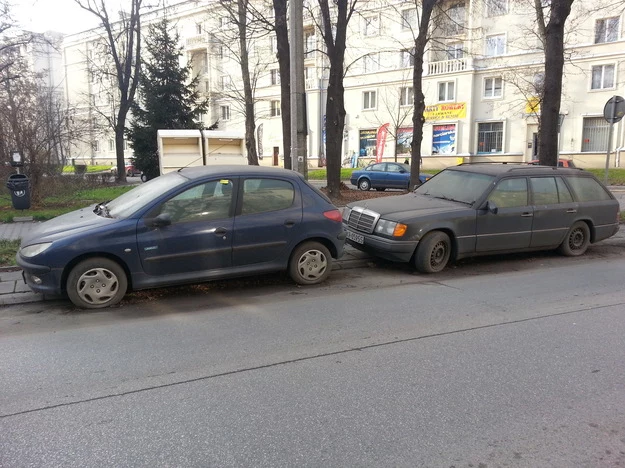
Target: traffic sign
x,y
614,109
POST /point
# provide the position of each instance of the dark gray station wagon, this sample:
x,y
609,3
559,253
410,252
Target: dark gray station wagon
x,y
483,209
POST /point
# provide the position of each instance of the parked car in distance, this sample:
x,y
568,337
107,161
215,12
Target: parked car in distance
x,y
561,163
381,176
188,226
132,171
483,209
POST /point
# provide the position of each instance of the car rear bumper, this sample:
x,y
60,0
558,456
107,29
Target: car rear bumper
x,y
394,250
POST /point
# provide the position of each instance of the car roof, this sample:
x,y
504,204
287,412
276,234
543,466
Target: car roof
x,y
237,170
497,169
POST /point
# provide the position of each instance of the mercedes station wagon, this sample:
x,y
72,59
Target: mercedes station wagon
x,y
485,209
188,226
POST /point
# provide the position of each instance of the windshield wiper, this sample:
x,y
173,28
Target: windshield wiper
x,y
102,210
442,197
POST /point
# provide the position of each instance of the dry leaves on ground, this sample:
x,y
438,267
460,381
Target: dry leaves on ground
x,y
349,195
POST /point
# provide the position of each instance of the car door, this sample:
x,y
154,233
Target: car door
x,y
377,175
510,227
554,211
397,176
199,238
268,222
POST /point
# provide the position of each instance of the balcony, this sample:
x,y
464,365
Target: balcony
x,y
197,41
447,66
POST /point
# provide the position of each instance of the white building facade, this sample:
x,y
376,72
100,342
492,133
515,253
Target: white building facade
x,y
483,65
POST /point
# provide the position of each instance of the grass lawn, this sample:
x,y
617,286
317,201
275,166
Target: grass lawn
x,y
8,249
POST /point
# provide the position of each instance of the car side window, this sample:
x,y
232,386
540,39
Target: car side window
x,y
587,189
393,168
264,195
563,191
203,202
544,190
510,193
380,167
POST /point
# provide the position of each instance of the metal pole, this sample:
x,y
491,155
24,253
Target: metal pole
x,y
298,120
607,156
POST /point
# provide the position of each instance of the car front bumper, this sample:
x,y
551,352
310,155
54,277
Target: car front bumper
x,y
389,249
41,279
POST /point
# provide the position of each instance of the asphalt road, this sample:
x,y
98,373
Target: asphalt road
x,y
493,363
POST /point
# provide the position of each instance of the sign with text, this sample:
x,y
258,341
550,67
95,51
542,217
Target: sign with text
x,y
452,110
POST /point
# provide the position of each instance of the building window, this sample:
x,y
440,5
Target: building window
x,y
275,108
602,77
406,96
493,87
125,144
406,58
111,144
370,63
275,76
495,45
606,30
310,44
454,51
369,100
225,112
224,21
496,7
490,137
370,25
408,19
96,146
446,91
595,134
453,22
225,81
273,45
198,28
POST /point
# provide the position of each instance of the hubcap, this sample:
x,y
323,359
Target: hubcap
x,y
576,240
97,286
312,265
438,254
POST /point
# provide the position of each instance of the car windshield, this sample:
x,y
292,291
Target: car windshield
x,y
132,201
465,187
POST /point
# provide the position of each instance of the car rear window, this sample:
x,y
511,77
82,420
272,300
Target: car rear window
x,y
588,189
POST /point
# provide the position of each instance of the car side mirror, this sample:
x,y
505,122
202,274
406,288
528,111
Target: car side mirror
x,y
490,206
164,219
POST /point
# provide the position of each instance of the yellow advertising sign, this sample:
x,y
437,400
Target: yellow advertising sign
x,y
452,110
532,106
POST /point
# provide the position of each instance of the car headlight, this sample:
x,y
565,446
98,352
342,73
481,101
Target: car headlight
x,y
346,212
390,228
35,249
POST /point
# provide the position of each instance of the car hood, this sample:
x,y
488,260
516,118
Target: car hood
x,y
66,225
411,204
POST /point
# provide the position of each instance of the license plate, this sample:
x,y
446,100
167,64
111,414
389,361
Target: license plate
x,y
360,239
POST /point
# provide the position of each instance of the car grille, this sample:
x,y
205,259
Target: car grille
x,y
361,219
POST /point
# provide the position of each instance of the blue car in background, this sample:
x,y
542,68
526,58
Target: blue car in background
x,y
192,225
381,176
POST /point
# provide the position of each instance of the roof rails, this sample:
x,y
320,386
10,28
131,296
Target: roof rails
x,y
490,162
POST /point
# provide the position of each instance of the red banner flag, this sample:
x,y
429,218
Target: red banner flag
x,y
380,142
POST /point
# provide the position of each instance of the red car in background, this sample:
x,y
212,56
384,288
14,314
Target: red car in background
x,y
132,171
561,163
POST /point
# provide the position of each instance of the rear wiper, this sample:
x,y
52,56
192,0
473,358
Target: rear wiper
x,y
454,200
101,209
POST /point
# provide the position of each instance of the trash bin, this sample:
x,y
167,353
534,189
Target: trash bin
x,y
19,185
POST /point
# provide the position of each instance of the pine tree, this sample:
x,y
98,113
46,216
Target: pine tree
x,y
167,99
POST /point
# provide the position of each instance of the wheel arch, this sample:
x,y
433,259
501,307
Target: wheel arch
x,y
75,261
452,239
322,240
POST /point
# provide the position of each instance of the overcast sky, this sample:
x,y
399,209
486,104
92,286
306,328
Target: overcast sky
x,y
53,15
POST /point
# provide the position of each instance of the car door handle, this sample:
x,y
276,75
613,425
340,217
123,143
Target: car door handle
x,y
571,210
220,231
289,223
527,214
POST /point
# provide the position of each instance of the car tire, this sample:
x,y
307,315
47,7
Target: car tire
x,y
576,241
96,283
364,184
310,263
381,189
433,252
144,178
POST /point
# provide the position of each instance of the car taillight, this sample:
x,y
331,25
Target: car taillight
x,y
334,215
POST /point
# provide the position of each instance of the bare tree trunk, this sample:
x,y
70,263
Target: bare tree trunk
x,y
284,65
335,104
419,99
554,65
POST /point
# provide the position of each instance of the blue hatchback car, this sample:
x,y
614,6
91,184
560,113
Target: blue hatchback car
x,y
188,226
381,176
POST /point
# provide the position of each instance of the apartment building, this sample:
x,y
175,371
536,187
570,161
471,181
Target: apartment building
x,y
482,68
